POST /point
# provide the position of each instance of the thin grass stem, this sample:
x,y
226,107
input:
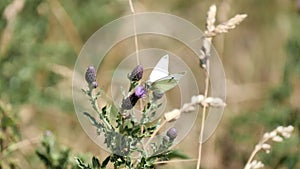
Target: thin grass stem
x,y
203,116
136,44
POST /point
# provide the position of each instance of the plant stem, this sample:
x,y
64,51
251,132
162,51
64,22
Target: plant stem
x,y
257,148
203,116
141,110
254,152
155,132
135,33
95,106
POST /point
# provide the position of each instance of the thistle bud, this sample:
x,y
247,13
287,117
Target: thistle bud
x,y
172,133
90,75
166,139
136,74
129,102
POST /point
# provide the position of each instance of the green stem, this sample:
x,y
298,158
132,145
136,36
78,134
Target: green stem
x,y
93,100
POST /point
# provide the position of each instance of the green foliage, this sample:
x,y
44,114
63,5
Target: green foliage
x,y
277,110
26,67
52,156
293,50
291,68
9,135
90,15
119,161
27,59
283,154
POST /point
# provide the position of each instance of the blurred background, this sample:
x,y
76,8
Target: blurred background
x,y
41,39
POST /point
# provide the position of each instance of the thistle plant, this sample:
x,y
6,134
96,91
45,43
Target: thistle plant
x,y
126,132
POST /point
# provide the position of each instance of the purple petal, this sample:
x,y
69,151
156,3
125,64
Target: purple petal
x,y
140,91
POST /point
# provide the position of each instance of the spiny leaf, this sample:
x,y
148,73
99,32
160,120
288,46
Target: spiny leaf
x,y
81,164
64,157
177,154
92,119
105,162
96,163
44,158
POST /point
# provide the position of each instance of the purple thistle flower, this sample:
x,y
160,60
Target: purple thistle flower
x,y
140,91
172,133
136,74
90,75
129,102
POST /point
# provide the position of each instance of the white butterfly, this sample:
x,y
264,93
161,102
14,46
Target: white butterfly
x,y
160,79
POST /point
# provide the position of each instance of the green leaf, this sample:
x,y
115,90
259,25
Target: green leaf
x,y
81,164
105,162
92,120
44,158
177,154
96,163
84,91
98,93
6,122
64,158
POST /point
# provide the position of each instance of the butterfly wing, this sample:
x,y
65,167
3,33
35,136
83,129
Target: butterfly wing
x,y
167,83
160,70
